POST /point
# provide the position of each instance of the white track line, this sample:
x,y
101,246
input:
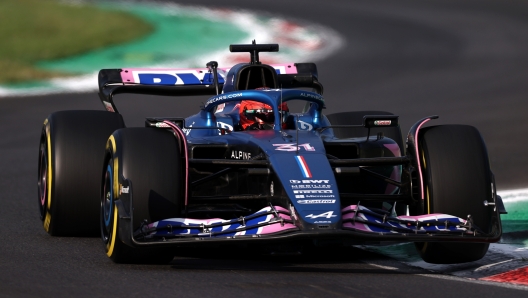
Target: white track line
x,y
515,195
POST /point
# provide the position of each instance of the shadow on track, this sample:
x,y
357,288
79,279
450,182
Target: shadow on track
x,y
284,259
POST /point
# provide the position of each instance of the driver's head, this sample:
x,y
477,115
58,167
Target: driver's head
x,y
256,115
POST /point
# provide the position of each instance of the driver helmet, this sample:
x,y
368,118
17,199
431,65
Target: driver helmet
x,y
258,115
255,115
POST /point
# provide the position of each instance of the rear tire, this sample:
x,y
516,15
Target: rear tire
x,y
457,180
71,150
149,158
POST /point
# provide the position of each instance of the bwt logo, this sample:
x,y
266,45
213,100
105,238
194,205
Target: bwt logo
x,y
309,181
176,79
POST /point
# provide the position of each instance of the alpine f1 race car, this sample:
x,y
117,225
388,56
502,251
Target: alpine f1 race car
x,y
245,170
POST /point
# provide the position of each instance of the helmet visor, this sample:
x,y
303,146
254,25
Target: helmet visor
x,y
260,115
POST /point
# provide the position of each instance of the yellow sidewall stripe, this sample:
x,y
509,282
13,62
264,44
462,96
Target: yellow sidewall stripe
x,y
111,244
115,171
47,220
49,177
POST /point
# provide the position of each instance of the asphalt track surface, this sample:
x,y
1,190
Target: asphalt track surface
x,y
463,60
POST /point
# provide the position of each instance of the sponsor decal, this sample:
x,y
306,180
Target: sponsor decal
x,y
305,125
382,122
162,124
236,154
303,166
313,191
222,97
224,126
187,131
310,95
304,186
322,221
294,147
176,77
157,79
308,181
124,189
319,196
328,214
299,196
316,201
208,78
220,108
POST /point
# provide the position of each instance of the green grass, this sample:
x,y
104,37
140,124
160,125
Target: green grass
x,y
39,30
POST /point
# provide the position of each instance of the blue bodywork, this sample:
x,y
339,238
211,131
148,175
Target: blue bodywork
x,y
296,154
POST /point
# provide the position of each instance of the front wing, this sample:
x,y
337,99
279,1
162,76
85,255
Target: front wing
x,y
275,223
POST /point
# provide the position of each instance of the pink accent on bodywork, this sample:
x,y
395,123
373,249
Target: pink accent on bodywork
x,y
277,227
394,148
349,208
418,158
285,68
127,74
273,227
279,208
354,225
188,221
181,135
413,218
428,217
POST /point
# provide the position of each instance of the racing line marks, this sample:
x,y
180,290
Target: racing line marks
x,y
491,265
382,266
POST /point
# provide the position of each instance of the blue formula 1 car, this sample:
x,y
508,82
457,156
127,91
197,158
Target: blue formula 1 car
x,y
246,170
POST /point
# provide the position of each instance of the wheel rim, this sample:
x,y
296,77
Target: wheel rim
x,y
42,179
107,202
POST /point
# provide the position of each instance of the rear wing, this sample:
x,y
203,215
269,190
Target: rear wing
x,y
192,81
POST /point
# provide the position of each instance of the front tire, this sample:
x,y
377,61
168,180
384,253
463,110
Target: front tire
x,y
457,180
150,159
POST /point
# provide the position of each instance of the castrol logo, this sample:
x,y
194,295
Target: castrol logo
x,y
382,122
